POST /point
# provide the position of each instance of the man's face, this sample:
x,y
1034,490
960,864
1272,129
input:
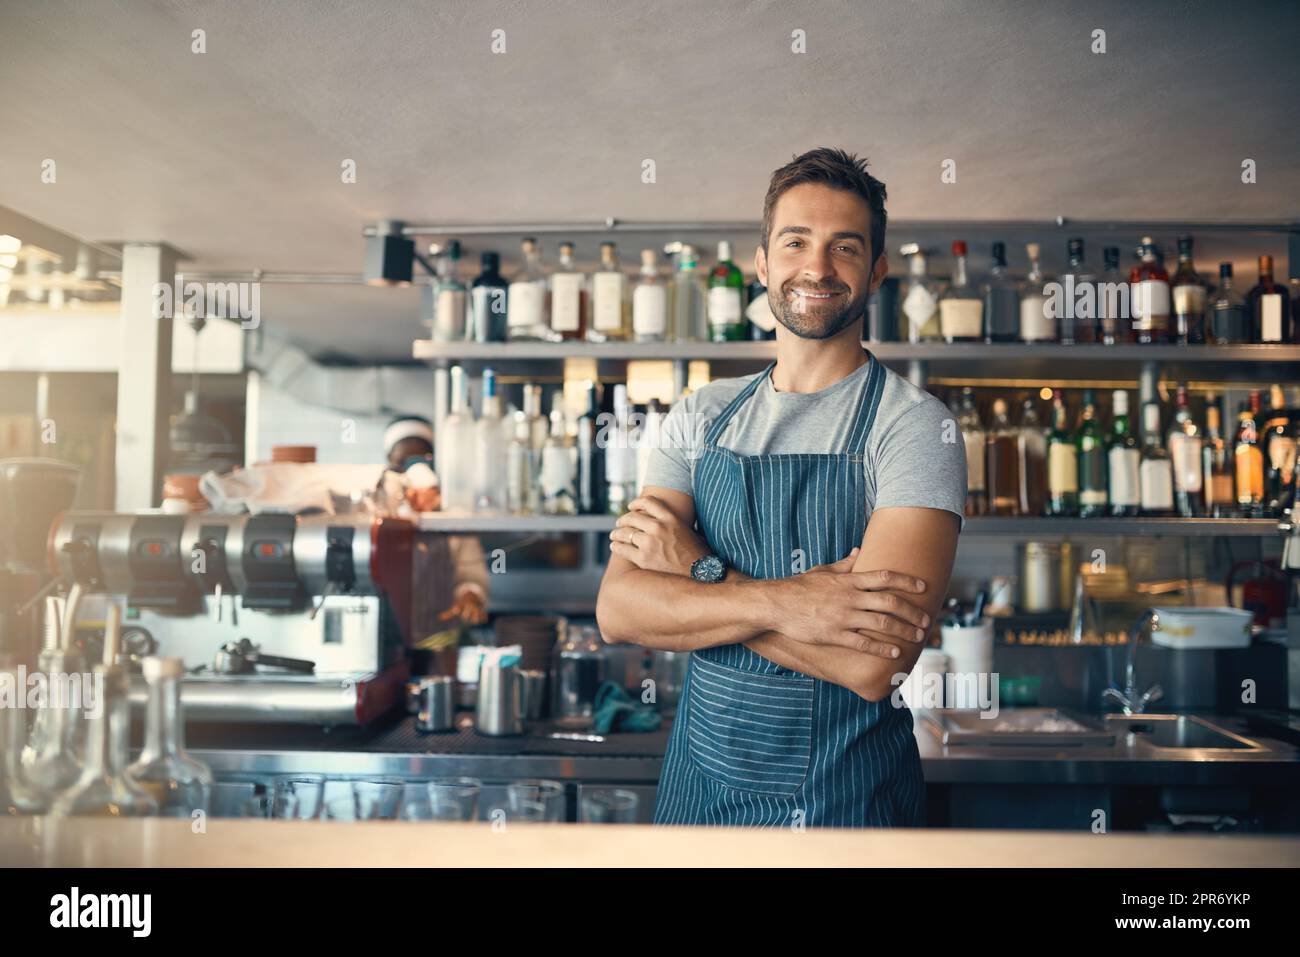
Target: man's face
x,y
406,448
817,267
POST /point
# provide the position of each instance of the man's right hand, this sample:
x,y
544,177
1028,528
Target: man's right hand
x,y
834,605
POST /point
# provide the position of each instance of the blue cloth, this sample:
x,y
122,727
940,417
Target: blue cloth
x,y
614,710
757,744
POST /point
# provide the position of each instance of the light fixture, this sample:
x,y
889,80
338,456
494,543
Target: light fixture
x,y
390,256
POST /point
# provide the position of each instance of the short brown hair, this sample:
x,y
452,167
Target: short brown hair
x,y
839,170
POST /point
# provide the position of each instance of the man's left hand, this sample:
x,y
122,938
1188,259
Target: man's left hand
x,y
468,607
654,539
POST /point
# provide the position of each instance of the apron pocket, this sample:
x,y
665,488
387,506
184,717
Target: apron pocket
x,y
750,731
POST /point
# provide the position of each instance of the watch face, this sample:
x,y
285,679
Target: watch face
x,y
708,569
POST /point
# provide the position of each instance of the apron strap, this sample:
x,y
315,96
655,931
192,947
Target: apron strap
x,y
864,417
720,423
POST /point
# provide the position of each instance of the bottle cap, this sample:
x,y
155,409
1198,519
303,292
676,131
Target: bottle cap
x,y
1225,270
490,261
959,247
999,254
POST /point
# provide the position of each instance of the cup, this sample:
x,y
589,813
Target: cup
x,y
453,799
549,794
608,806
306,791
378,798
970,658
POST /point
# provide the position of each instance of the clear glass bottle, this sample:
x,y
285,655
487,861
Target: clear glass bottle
x,y
1189,294
1062,464
689,299
488,298
1185,441
1150,301
52,756
1123,459
449,297
539,427
1001,300
921,301
16,797
489,450
1036,322
1156,470
610,307
1248,460
1220,495
649,302
455,448
1093,488
1078,321
1003,463
528,313
1031,448
521,469
1229,318
726,304
569,297
104,788
1113,304
620,454
178,783
961,310
559,495
972,431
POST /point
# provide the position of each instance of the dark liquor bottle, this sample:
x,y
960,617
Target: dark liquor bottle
x,y
1229,317
1278,436
1124,460
1003,463
591,458
1220,499
1078,321
1031,451
1248,460
1062,465
756,290
1151,296
1001,300
1185,442
1189,294
1093,497
972,431
1156,473
1113,301
487,302
1269,305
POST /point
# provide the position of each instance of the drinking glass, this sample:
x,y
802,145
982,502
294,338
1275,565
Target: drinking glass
x,y
307,790
454,799
550,794
228,797
378,798
608,806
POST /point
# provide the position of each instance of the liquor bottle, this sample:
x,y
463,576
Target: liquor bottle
x,y
1189,293
1270,309
591,458
1001,301
51,755
1217,478
1150,303
449,297
972,432
1062,464
1123,459
487,302
455,447
569,297
528,303
1248,460
1185,445
620,454
921,301
1036,325
539,427
1078,321
1156,473
180,784
16,795
1278,437
1031,447
1093,496
649,302
610,309
689,299
1229,317
521,469
726,303
104,789
489,450
961,310
648,439
1113,301
558,477
758,312
1003,457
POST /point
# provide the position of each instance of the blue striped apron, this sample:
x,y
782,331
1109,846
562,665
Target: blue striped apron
x,y
757,744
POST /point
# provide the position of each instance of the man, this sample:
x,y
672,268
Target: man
x,y
409,439
828,492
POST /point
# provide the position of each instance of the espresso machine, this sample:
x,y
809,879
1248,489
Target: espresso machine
x,y
277,618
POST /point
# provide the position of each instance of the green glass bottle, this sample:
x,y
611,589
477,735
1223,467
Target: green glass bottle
x,y
1092,461
1062,465
726,298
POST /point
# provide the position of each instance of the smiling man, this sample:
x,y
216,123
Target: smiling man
x,y
796,533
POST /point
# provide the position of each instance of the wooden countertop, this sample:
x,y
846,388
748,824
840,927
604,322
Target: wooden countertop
x,y
89,842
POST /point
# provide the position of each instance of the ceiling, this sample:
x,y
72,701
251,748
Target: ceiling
x,y
234,155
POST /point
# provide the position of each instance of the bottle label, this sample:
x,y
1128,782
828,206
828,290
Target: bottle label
x,y
961,318
566,301
1250,474
449,315
650,309
919,307
1062,468
1185,451
1150,305
1189,300
1270,318
557,475
1157,485
724,306
974,442
1124,481
524,305
1035,322
607,292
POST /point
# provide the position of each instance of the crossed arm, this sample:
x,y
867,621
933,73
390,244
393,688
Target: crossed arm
x,y
856,623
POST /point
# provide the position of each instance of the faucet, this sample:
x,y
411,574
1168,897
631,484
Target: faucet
x,y
1130,700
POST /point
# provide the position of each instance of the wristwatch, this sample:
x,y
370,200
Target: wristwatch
x,y
709,568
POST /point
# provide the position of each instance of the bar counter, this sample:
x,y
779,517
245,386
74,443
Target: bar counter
x,y
90,842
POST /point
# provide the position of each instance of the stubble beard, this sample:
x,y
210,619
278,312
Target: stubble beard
x,y
814,324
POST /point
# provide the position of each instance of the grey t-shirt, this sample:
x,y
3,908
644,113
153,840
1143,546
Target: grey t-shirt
x,y
914,455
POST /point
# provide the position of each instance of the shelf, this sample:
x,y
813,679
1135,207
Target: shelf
x,y
1027,528
1048,361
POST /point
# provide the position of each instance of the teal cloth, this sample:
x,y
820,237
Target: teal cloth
x,y
615,710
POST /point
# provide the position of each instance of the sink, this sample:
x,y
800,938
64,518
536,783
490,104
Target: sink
x,y
1180,732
